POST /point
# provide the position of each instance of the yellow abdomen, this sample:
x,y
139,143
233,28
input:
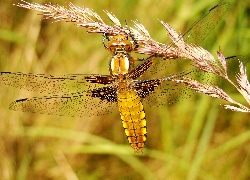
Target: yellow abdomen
x,y
133,118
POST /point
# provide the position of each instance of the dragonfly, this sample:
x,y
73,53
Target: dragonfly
x,y
127,87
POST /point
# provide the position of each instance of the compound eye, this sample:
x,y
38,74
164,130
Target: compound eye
x,y
112,48
128,48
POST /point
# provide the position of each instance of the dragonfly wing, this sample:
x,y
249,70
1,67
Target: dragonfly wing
x,y
201,28
198,31
163,68
74,104
167,90
155,85
54,84
163,91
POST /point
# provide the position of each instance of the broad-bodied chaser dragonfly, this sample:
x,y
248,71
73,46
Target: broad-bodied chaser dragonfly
x,y
126,87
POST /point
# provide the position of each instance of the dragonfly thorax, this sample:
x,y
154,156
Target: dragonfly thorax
x,y
121,64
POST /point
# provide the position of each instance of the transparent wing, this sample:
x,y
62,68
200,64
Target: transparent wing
x,y
164,68
198,31
156,87
163,91
68,95
201,28
73,104
52,84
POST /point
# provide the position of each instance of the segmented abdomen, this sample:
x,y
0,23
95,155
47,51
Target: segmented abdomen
x,y
133,118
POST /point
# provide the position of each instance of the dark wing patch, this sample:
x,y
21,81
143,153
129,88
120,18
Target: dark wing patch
x,y
100,79
107,93
142,68
144,88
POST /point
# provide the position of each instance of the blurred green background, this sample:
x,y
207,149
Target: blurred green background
x,y
192,139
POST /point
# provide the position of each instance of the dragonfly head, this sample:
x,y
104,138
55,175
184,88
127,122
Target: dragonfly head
x,y
120,43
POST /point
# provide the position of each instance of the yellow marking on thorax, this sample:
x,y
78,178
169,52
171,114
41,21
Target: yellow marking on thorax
x,y
133,118
120,64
